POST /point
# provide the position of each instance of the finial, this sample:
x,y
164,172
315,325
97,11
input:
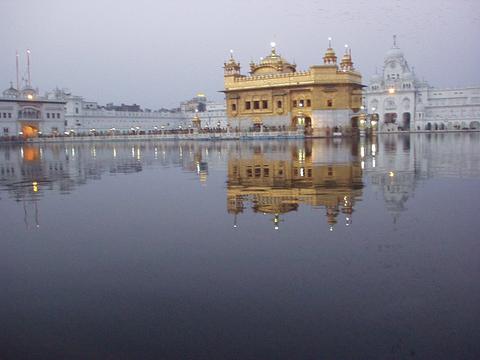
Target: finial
x,y
346,48
273,45
394,41
231,53
329,42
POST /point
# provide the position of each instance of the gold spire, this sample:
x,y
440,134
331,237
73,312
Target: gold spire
x,y
347,63
330,56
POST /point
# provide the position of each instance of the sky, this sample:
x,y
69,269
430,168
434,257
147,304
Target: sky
x,y
158,53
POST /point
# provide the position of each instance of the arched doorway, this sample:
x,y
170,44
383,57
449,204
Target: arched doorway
x,y
406,121
428,127
301,121
475,125
294,123
442,126
308,126
390,118
354,124
29,130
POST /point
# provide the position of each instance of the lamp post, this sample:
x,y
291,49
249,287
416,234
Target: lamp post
x,y
374,121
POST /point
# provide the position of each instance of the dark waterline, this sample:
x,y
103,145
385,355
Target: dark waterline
x,y
250,250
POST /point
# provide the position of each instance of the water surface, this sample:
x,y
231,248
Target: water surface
x,y
249,250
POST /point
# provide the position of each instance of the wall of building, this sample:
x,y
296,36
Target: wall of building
x,y
397,95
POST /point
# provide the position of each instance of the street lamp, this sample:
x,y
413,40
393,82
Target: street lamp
x,y
373,118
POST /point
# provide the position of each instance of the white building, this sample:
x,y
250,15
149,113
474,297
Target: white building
x,y
403,102
84,117
26,114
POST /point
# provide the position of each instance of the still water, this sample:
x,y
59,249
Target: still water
x,y
319,249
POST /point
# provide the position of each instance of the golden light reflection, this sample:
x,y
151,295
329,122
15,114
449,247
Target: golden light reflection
x,y
279,186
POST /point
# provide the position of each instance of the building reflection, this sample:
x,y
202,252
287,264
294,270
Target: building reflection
x,y
29,171
395,164
276,181
274,178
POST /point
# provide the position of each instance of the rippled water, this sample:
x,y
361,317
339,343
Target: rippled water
x,y
200,250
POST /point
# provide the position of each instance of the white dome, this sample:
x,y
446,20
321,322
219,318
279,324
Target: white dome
x,y
11,92
394,53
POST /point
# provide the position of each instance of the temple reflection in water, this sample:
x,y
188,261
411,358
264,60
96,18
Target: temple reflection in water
x,y
273,178
277,179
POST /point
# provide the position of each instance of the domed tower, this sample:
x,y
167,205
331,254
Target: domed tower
x,y
273,63
347,63
11,92
231,67
330,57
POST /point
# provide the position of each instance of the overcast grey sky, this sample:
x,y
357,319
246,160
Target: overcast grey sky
x,y
157,53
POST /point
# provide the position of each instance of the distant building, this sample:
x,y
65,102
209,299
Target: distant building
x,y
323,99
403,102
84,117
198,103
123,107
26,114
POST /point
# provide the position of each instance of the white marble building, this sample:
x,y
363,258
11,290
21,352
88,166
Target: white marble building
x,y
403,102
84,117
26,114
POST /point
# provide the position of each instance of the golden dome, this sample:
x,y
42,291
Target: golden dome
x,y
273,63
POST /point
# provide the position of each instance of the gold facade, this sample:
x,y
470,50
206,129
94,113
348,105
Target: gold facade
x,y
275,96
275,187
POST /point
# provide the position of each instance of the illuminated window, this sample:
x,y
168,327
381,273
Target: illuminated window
x,y
301,103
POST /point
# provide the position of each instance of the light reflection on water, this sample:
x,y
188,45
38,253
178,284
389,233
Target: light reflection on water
x,y
284,249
